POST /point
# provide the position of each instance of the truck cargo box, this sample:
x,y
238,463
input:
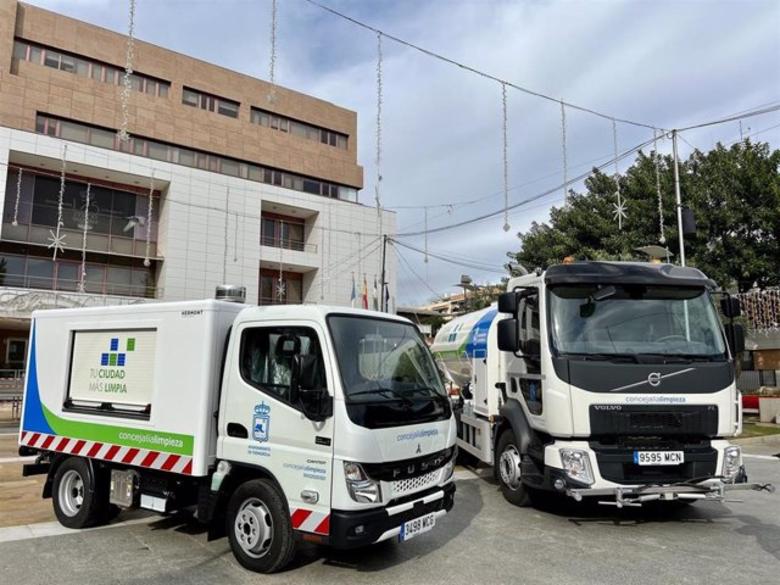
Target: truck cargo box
x,y
139,386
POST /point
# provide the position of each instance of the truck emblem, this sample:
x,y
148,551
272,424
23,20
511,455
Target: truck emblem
x,y
654,379
419,449
261,422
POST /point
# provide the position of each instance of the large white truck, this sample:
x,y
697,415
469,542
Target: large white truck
x,y
610,380
277,424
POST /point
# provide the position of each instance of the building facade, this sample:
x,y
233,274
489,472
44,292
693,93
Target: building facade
x,y
224,178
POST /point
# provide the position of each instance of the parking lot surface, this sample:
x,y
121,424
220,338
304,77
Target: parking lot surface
x,y
484,540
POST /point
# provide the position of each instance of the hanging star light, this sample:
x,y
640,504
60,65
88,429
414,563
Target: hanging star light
x,y
149,205
619,212
15,221
281,289
620,208
126,80
271,97
657,161
86,228
57,238
565,154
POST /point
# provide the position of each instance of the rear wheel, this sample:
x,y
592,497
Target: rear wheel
x,y
259,527
78,502
510,473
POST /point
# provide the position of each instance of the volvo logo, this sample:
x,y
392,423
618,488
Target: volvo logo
x,y
654,379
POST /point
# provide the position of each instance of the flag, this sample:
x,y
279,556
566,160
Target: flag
x,y
365,292
376,296
353,296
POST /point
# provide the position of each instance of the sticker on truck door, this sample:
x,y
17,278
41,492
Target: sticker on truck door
x,y
261,422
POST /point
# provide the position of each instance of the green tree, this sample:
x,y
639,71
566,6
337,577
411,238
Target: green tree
x,y
734,193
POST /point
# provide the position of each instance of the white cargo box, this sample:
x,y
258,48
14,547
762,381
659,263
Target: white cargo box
x,y
133,384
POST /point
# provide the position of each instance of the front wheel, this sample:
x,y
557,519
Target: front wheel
x,y
510,473
259,527
78,501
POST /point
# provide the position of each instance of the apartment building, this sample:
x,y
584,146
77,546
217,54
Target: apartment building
x,y
224,178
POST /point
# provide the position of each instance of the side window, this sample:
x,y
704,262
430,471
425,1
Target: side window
x,y
268,358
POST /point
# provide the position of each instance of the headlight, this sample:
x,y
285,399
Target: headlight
x,y
361,488
576,464
732,461
449,468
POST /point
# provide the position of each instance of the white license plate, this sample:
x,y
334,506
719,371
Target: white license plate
x,y
417,526
659,457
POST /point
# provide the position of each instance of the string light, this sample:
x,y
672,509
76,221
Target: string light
x,y
56,238
379,101
85,229
620,208
272,58
565,154
280,287
235,238
662,239
125,96
15,222
149,205
225,252
505,135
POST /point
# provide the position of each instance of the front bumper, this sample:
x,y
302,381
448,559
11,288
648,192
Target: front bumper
x,y
354,529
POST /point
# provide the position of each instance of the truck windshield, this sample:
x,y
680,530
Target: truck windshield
x,y
386,364
635,320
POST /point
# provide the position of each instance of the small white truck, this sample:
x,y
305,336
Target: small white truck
x,y
606,380
276,424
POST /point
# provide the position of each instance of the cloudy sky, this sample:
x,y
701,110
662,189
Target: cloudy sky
x,y
664,63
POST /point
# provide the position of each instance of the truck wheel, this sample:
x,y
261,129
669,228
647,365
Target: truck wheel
x,y
77,504
259,527
508,460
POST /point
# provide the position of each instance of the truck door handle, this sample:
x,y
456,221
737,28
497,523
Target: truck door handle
x,y
237,430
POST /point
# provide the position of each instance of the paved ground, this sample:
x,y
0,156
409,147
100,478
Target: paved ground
x,y
484,540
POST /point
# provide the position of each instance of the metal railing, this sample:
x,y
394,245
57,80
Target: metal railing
x,y
11,388
69,285
288,244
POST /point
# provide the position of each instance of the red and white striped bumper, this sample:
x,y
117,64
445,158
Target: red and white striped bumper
x,y
310,521
109,452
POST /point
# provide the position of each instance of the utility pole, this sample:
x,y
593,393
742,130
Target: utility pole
x,y
383,300
679,199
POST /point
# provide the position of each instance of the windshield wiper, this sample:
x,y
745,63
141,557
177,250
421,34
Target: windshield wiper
x,y
603,357
681,358
398,395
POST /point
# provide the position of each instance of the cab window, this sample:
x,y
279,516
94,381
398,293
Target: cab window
x,y
268,358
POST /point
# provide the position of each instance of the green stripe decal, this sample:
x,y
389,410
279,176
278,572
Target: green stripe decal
x,y
125,436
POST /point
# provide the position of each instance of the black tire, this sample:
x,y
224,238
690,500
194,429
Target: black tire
x,y
255,507
78,501
508,470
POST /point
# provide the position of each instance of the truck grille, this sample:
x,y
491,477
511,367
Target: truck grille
x,y
414,484
621,419
616,463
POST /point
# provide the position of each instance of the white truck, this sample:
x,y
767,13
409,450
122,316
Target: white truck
x,y
277,424
611,380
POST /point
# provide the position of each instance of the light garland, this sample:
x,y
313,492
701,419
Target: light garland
x,y
620,208
127,87
662,238
762,309
227,236
565,154
15,222
149,206
379,101
272,58
281,289
57,238
83,270
505,135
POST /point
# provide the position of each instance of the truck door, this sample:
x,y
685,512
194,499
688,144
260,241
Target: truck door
x,y
263,425
525,374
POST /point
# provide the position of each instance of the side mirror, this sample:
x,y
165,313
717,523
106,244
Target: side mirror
x,y
730,307
507,303
465,391
508,335
308,389
735,336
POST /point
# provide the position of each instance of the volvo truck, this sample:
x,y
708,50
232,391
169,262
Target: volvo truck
x,y
605,380
275,424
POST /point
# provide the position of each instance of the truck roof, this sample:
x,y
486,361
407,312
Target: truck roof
x,y
626,273
311,312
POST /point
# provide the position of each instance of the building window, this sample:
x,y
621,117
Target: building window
x,y
212,103
40,272
84,67
290,293
280,231
297,128
104,138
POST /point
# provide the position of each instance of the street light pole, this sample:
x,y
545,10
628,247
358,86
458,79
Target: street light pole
x,y
680,234
383,300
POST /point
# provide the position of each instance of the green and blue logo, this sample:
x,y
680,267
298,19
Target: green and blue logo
x,y
114,357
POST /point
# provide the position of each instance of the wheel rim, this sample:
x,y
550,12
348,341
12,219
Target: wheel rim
x,y
254,528
509,467
71,493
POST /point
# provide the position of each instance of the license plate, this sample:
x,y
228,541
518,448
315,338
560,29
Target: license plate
x,y
417,526
659,457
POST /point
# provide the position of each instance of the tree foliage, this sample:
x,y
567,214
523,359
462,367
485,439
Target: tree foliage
x,y
735,196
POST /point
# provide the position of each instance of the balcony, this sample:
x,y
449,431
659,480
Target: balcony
x,y
288,244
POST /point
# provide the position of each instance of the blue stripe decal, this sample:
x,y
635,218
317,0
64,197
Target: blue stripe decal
x,y
477,343
34,420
